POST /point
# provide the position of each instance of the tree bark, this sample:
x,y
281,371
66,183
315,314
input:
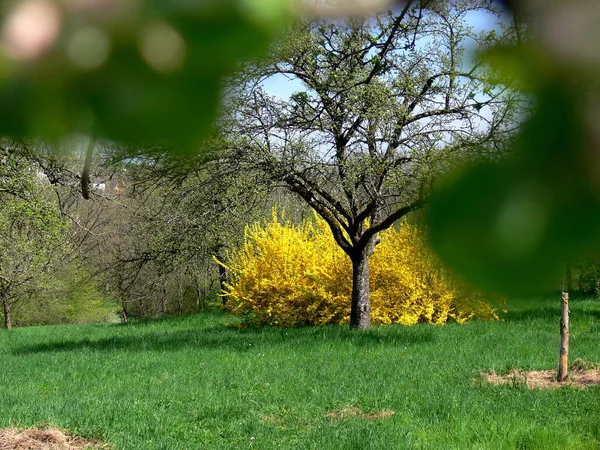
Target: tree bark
x,y
199,295
360,310
7,317
563,359
222,281
163,302
179,298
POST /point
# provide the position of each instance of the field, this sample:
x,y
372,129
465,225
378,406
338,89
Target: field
x,y
192,383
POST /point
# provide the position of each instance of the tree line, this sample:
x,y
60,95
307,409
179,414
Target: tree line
x,y
386,106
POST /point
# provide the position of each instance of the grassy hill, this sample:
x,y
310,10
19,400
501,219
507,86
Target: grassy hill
x,y
192,383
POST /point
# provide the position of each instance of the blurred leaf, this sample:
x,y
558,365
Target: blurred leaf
x,y
521,67
153,75
511,227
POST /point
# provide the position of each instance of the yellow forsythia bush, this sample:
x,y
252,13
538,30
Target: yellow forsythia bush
x,y
291,275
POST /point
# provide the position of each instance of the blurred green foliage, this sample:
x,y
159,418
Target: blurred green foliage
x,y
130,71
515,226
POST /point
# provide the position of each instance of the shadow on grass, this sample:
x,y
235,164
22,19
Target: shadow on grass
x,y
135,338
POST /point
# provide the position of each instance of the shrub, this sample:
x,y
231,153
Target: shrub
x,y
291,275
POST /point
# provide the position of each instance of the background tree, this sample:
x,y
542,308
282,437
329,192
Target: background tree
x,y
32,232
42,187
148,234
182,214
384,103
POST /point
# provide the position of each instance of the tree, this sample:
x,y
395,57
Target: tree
x,y
385,102
32,232
182,213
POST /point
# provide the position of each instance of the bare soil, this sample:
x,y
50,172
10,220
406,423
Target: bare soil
x,y
44,439
582,374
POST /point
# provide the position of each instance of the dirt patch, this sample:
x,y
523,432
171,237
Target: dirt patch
x,y
354,412
581,375
44,439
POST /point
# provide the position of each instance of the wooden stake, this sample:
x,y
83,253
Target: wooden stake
x,y
563,358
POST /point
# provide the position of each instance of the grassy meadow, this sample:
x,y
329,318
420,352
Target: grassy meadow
x,y
192,383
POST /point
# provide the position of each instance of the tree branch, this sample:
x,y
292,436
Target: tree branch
x,y
389,220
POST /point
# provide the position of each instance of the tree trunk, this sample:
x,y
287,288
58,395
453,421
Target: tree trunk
x,y
360,310
123,313
222,281
199,296
7,317
143,308
563,358
163,302
180,298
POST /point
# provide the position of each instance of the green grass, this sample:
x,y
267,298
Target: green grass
x,y
190,383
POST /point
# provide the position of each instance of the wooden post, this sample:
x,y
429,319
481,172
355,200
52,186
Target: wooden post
x,y
563,361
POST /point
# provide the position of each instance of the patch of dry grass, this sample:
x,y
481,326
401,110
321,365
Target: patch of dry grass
x,y
581,375
44,439
354,412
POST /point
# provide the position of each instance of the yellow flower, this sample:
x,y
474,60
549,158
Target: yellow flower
x,y
292,275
